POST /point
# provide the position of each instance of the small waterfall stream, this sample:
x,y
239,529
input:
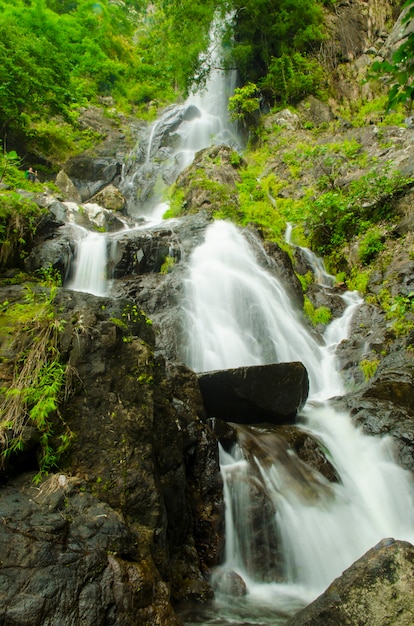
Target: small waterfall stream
x,y
90,266
203,120
245,318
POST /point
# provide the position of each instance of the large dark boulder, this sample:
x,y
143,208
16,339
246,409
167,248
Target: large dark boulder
x,y
376,590
250,395
91,174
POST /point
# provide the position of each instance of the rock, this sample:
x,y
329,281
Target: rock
x,y
69,558
375,590
309,450
144,453
393,381
384,405
285,118
227,582
67,187
110,198
213,164
316,111
51,253
90,174
284,269
250,395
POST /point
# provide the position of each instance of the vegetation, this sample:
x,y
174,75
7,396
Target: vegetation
x,y
39,378
398,73
321,315
369,367
58,56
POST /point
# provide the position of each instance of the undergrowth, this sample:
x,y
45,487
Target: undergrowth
x,y
39,379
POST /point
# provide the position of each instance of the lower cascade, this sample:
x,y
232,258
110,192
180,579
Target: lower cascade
x,y
289,530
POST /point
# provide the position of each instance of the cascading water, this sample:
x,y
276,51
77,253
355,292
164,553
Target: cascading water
x,y
89,274
181,131
170,146
245,317
237,313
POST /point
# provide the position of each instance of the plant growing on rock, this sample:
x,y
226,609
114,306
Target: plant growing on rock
x,y
320,315
369,367
399,71
29,413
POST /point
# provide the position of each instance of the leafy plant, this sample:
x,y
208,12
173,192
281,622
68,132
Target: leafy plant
x,y
18,220
39,380
245,103
399,72
320,315
371,244
369,367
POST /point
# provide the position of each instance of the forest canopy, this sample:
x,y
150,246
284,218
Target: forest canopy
x,y
57,56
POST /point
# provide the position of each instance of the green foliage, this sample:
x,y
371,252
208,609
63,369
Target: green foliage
x,y
18,220
39,380
399,72
274,45
257,208
340,214
369,367
58,56
371,244
168,265
58,140
321,315
292,77
245,103
176,202
305,280
399,310
358,280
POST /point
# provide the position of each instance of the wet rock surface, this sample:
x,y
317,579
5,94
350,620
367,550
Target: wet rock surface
x,y
375,590
250,395
143,456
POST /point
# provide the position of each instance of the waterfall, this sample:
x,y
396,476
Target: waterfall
x,y
237,313
181,131
170,146
89,264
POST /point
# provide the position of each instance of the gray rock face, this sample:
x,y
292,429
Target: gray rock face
x,y
144,521
250,395
384,405
89,174
68,558
375,590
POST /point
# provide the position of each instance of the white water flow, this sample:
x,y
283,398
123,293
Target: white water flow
x,y
321,275
203,120
212,125
90,262
237,313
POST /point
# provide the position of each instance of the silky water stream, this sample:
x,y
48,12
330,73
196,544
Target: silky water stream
x,y
237,313
203,120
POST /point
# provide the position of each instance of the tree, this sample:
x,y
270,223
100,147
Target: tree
x,y
273,37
